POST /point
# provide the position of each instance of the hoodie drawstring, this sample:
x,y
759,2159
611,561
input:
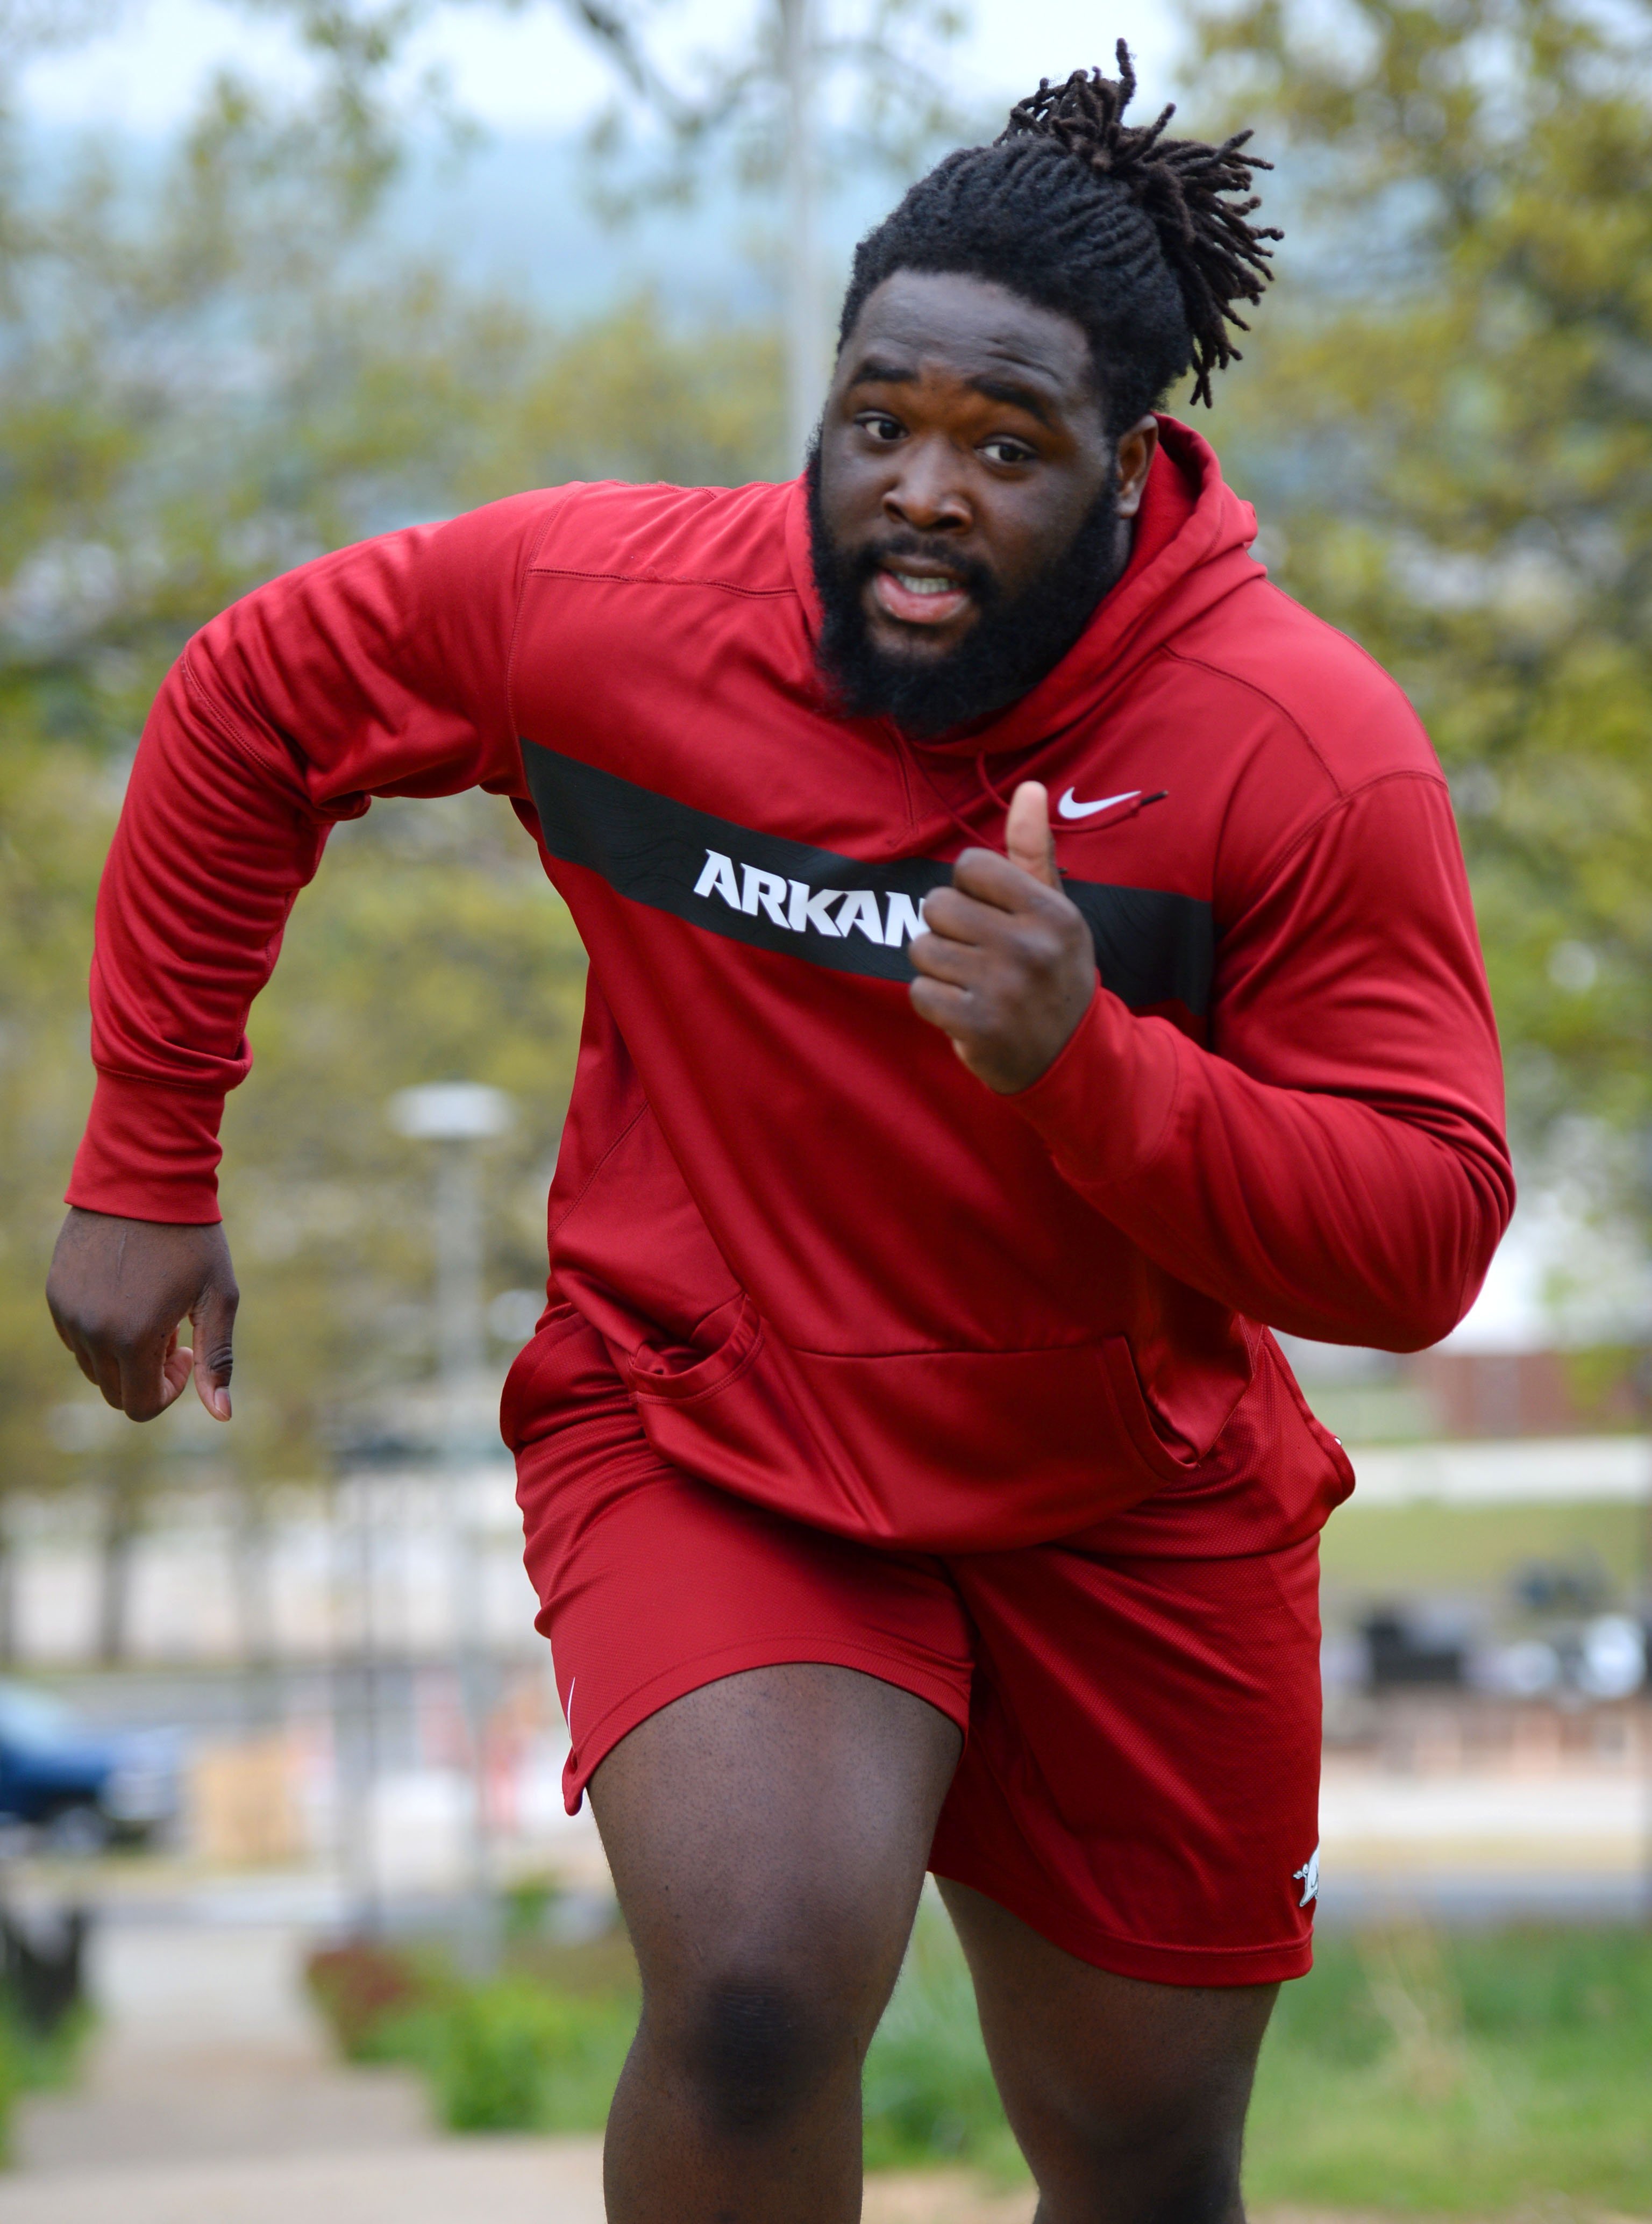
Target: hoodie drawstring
x,y
911,758
910,755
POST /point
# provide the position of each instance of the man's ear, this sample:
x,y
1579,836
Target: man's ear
x,y
1135,450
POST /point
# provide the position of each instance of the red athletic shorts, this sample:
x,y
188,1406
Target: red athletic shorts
x,y
1140,1776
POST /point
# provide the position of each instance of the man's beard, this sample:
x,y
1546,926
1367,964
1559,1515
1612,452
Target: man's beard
x,y
1012,644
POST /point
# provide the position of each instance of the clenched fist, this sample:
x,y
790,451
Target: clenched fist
x,y
1007,968
118,1290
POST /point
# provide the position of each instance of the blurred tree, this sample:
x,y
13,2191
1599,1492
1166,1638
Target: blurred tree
x,y
205,378
812,92
1447,424
807,94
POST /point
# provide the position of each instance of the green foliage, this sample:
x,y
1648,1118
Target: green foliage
x,y
1445,420
1414,2074
514,2056
33,2063
1410,2074
534,2049
1372,1549
360,1987
928,2091
525,1908
206,378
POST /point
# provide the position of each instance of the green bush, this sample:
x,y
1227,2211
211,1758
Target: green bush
x,y
928,2092
511,2055
361,1988
521,2052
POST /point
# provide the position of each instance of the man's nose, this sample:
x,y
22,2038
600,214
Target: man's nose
x,y
928,494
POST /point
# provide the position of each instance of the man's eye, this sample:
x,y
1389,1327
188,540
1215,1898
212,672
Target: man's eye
x,y
883,429
1005,451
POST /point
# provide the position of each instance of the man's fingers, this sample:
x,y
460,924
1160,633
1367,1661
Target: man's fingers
x,y
941,1004
959,917
213,1321
938,960
994,880
149,1378
1027,834
104,1368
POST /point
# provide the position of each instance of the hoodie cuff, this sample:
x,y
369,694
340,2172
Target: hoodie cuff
x,y
149,1153
1103,1107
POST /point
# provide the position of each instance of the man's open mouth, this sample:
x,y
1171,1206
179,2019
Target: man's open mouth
x,y
916,596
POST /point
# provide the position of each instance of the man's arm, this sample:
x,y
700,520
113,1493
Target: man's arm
x,y
1338,1169
380,670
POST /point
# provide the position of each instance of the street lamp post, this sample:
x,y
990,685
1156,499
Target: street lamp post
x,y
805,325
457,1117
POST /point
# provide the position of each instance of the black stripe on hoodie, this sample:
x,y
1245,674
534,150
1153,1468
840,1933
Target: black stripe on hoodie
x,y
1152,947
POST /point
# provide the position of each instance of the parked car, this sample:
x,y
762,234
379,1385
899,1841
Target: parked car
x,y
80,1787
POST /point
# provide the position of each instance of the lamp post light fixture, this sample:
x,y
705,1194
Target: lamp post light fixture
x,y
457,1117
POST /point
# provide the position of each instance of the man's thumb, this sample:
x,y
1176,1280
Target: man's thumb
x,y
1027,839
212,1320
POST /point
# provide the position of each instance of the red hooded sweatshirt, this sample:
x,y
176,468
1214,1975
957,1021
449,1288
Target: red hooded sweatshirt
x,y
837,1274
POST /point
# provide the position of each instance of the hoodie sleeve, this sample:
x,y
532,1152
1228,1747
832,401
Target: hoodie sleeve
x,y
1335,1165
382,670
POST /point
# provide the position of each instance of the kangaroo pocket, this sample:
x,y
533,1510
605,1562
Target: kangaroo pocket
x,y
950,1451
725,1342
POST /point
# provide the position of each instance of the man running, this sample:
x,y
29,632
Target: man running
x,y
908,1474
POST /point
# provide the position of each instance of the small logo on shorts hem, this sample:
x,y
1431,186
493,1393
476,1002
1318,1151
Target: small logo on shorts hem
x,y
1308,1877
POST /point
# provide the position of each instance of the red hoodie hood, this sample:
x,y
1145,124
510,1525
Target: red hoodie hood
x,y
1191,549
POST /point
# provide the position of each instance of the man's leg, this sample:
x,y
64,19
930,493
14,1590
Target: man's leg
x,y
768,1835
1128,2098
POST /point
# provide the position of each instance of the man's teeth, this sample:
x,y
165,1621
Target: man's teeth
x,y
926,583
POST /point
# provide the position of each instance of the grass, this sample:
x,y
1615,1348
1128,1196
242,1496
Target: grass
x,y
1456,2076
929,2094
1473,1548
1413,2073
31,2062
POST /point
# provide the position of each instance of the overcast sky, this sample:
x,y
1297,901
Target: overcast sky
x,y
531,71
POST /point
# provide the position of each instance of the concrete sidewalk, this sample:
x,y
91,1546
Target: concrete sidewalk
x,y
504,2181
425,2181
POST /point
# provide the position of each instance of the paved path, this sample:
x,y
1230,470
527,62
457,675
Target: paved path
x,y
501,2181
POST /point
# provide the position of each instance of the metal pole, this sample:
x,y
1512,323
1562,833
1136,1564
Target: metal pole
x,y
352,1774
456,1115
371,1918
460,1349
806,324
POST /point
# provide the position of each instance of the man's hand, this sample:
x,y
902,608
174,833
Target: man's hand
x,y
118,1289
1008,968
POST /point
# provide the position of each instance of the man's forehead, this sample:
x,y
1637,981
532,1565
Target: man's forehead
x,y
971,328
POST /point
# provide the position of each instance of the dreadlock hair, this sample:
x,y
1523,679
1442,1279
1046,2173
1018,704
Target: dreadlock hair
x,y
1133,236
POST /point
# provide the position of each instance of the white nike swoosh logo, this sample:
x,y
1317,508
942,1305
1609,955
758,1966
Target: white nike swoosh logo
x,y
1069,807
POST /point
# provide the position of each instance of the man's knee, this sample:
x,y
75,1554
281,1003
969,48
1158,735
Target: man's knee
x,y
1163,2145
1187,2178
1179,2170
754,2045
